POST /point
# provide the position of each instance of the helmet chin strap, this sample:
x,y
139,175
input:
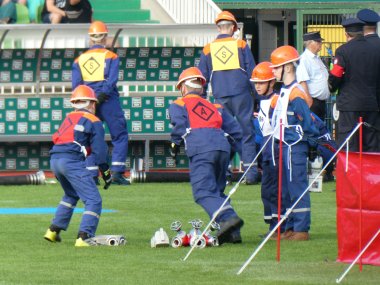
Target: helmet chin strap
x,y
267,88
282,73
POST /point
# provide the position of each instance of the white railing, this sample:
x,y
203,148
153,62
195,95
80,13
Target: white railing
x,y
191,11
128,35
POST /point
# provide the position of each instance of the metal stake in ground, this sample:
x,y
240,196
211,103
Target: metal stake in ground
x,y
295,204
232,191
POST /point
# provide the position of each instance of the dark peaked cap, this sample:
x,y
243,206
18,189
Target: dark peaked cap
x,y
353,25
369,17
313,36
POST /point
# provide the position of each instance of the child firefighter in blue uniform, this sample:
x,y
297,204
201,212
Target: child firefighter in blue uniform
x,y
98,68
204,127
292,108
80,134
264,80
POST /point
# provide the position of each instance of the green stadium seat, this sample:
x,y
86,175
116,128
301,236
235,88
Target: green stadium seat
x,y
22,14
24,119
56,64
35,9
18,65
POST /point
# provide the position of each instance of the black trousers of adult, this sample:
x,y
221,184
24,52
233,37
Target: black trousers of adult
x,y
319,108
348,120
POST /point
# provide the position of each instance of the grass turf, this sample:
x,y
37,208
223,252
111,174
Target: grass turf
x,y
26,258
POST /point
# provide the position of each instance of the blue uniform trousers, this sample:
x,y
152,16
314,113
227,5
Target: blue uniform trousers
x,y
208,180
294,186
112,113
241,107
269,194
77,183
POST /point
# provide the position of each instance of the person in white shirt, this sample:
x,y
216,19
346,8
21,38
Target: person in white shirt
x,y
313,75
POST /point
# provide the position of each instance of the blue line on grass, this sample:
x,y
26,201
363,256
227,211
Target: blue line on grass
x,y
34,211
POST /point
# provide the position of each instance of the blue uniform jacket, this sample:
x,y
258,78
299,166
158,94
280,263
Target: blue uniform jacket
x,y
80,128
200,140
228,82
111,73
299,114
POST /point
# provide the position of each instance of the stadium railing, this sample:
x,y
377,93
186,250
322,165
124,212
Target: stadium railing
x,y
35,84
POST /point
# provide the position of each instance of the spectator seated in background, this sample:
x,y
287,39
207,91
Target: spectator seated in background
x,y
7,12
66,11
22,2
54,12
78,11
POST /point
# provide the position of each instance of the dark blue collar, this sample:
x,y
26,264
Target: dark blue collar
x,y
289,85
223,36
96,46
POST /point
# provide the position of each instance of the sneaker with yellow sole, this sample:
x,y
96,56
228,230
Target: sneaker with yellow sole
x,y
83,243
52,236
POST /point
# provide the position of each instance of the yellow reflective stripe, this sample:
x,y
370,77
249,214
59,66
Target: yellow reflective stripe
x,y
92,65
224,55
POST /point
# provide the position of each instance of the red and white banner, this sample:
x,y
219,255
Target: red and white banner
x,y
358,206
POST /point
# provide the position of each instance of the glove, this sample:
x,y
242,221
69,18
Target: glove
x,y
102,98
106,175
174,150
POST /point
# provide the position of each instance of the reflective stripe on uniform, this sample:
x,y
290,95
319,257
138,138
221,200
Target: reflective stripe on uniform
x,y
118,163
68,205
248,164
225,208
91,214
92,167
301,210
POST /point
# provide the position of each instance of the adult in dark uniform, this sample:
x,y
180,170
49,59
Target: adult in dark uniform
x,y
355,73
371,18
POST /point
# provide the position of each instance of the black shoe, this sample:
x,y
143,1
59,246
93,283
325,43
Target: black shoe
x,y
254,182
235,238
227,227
83,235
229,180
119,179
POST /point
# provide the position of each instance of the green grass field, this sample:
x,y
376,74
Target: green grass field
x,y
26,258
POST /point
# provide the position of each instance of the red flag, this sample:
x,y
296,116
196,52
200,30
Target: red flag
x,y
348,206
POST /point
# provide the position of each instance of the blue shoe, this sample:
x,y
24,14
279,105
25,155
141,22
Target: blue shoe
x,y
119,179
